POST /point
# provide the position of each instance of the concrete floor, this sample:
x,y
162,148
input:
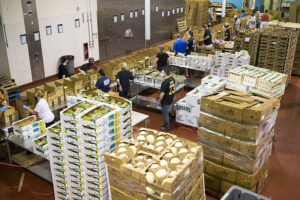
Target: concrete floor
x,y
284,176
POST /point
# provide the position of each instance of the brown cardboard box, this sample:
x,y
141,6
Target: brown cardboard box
x,y
211,122
77,84
67,85
224,187
219,171
237,106
52,87
212,154
253,149
237,130
250,180
8,116
21,112
217,140
30,94
212,183
43,89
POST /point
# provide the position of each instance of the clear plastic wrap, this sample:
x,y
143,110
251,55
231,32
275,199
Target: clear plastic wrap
x,y
253,133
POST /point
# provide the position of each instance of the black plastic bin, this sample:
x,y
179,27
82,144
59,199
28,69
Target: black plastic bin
x,y
70,65
238,193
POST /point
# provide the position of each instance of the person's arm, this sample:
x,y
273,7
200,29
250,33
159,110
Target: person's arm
x,y
34,112
156,60
119,84
175,48
161,96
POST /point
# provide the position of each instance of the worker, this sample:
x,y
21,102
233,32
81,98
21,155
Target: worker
x,y
237,24
252,21
243,14
191,43
41,109
167,91
63,70
227,32
103,82
162,59
207,38
180,46
123,78
2,109
210,18
264,20
188,31
90,65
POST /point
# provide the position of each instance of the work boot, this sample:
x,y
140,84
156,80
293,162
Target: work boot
x,y
164,129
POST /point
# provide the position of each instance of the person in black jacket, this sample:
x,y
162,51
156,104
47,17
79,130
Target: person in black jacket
x,y
63,70
227,32
191,43
123,78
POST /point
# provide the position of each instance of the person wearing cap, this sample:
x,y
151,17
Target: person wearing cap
x,y
207,38
90,65
103,82
41,109
62,70
123,78
180,46
237,24
227,32
162,59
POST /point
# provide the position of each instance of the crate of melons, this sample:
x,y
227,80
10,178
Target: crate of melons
x,y
166,173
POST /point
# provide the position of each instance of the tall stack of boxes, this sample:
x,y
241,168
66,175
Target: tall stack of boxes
x,y
227,61
57,161
188,108
156,165
71,149
196,12
236,130
99,133
249,40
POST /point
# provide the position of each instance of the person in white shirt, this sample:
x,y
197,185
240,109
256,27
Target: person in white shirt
x,y
252,21
42,109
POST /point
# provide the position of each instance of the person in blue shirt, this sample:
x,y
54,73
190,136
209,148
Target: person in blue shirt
x,y
180,46
103,83
243,14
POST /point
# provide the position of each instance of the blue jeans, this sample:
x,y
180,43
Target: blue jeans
x,y
165,113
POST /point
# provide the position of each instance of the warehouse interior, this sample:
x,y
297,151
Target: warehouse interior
x,y
149,99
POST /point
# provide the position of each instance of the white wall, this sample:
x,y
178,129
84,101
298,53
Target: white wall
x,y
50,13
18,56
70,42
4,66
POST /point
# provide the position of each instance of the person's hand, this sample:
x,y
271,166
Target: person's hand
x,y
158,104
120,88
3,108
25,107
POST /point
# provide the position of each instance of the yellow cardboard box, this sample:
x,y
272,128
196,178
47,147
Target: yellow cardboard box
x,y
212,154
8,116
212,183
219,171
239,107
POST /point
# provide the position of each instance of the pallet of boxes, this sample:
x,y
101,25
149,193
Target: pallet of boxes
x,y
188,108
156,165
236,131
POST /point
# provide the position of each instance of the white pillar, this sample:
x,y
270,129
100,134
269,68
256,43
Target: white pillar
x,y
223,10
147,20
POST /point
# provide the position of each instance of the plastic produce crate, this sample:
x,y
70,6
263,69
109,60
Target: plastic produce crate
x,y
238,193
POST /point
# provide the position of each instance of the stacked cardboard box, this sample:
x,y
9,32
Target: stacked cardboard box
x,y
196,12
249,40
40,146
55,93
29,128
201,63
57,160
156,165
8,116
188,108
99,130
236,130
73,164
226,62
257,80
